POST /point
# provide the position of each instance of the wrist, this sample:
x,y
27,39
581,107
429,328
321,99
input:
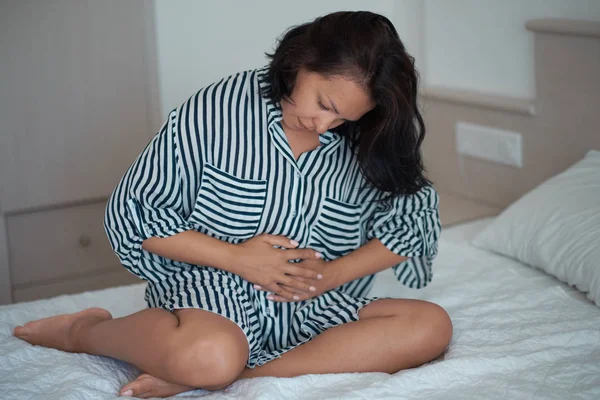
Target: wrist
x,y
229,257
334,274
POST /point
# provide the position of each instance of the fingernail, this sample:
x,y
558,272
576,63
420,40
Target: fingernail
x,y
312,289
257,287
127,392
319,255
319,276
296,298
294,243
269,297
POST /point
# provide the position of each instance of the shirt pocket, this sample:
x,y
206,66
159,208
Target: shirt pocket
x,y
337,230
228,207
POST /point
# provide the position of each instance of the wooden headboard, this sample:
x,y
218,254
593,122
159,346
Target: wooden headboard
x,y
558,126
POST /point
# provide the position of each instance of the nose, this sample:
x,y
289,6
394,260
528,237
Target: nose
x,y
321,125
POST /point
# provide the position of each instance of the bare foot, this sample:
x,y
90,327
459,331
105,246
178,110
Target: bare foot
x,y
57,332
147,386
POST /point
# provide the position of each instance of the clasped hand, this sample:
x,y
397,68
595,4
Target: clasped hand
x,y
269,268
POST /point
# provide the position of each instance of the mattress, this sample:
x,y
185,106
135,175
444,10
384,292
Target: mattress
x,y
518,333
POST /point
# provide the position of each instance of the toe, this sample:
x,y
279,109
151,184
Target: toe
x,y
148,386
20,331
128,390
137,387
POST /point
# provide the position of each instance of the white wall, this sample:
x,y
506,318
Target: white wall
x,y
407,18
483,45
479,45
199,42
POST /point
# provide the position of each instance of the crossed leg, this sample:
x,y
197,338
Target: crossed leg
x,y
197,349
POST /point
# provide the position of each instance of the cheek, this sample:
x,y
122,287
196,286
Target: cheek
x,y
286,108
301,109
289,112
303,106
293,112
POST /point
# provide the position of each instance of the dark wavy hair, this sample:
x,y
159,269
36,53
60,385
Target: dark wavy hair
x,y
366,48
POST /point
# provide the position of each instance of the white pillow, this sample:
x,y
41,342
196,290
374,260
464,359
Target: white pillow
x,y
555,227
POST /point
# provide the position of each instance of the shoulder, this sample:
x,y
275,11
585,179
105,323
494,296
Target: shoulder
x,y
221,93
214,112
219,99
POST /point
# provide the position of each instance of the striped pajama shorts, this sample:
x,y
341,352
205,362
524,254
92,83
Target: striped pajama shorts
x,y
271,328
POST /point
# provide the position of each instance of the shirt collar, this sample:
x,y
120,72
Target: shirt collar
x,y
274,113
329,137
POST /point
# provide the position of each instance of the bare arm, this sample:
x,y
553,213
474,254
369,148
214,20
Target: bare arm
x,y
256,260
366,260
194,248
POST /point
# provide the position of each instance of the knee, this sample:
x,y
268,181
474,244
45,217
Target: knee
x,y
211,363
434,328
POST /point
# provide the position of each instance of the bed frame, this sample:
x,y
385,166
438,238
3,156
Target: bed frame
x,y
558,126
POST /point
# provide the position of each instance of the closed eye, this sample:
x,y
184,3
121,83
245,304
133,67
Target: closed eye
x,y
325,108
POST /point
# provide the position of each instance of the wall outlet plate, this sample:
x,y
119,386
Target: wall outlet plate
x,y
490,144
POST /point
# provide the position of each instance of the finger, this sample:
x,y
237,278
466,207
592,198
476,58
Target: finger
x,y
262,289
305,272
296,284
294,291
282,241
280,299
301,279
298,295
303,254
277,290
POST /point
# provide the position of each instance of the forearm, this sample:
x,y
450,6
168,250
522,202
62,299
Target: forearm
x,y
366,260
195,248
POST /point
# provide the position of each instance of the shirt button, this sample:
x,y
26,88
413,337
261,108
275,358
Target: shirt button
x,y
294,214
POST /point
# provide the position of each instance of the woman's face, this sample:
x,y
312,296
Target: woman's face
x,y
320,103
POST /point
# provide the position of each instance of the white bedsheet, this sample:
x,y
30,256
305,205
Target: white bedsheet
x,y
518,334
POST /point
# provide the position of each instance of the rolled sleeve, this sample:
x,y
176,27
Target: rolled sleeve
x,y
154,221
147,202
410,227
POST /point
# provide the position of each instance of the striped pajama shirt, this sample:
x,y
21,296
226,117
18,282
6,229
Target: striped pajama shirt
x,y
221,165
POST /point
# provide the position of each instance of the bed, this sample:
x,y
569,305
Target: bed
x,y
519,332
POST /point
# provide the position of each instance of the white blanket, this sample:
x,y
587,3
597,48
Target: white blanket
x,y
518,334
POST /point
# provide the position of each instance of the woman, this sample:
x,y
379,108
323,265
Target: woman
x,y
259,214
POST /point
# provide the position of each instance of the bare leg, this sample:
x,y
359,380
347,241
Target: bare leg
x,y
58,330
391,335
187,347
